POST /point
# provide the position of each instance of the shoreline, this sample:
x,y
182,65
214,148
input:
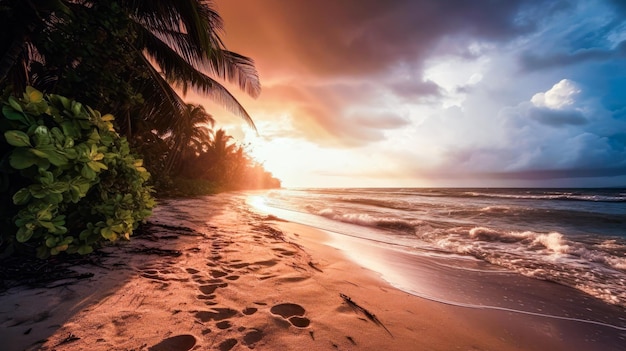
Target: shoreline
x,y
244,281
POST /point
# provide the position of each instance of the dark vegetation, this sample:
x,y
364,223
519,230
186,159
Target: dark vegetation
x,y
71,177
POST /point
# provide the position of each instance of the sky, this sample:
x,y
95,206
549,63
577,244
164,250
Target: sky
x,y
429,93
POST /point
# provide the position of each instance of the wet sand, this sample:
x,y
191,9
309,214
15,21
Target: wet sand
x,y
213,275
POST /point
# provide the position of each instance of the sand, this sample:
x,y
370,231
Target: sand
x,y
213,275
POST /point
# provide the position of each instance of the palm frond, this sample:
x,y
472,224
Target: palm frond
x,y
181,73
224,64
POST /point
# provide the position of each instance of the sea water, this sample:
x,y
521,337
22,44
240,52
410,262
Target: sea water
x,y
573,237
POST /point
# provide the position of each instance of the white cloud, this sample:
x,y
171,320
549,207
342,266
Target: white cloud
x,y
560,96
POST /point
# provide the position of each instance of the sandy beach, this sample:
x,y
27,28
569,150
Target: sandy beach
x,y
211,274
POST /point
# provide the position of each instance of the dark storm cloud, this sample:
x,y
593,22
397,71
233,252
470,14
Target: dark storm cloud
x,y
557,118
316,43
531,62
330,37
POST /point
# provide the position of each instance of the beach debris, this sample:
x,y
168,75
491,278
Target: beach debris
x,y
70,338
372,317
312,265
351,340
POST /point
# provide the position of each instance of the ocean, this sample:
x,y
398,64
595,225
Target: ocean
x,y
488,242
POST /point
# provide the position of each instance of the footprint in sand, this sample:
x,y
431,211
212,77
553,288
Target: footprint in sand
x,y
175,343
223,325
217,314
293,313
161,274
217,274
249,311
252,337
210,288
227,344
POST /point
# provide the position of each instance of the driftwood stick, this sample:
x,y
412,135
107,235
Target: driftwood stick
x,y
312,265
367,313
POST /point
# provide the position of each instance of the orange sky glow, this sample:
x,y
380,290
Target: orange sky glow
x,y
361,93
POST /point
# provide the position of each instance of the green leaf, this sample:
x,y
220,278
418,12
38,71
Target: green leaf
x,y
15,104
23,234
82,185
54,156
76,108
22,159
70,129
96,166
45,214
85,249
51,242
88,173
17,138
21,197
108,234
58,187
13,115
57,134
94,138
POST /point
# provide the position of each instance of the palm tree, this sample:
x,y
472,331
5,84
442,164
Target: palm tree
x,y
190,137
136,51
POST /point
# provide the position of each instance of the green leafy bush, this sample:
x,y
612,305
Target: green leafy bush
x,y
68,180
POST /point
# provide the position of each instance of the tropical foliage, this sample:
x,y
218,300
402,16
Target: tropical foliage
x,y
68,181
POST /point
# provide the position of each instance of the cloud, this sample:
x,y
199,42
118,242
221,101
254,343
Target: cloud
x,y
560,96
354,37
527,90
556,118
587,142
415,90
531,62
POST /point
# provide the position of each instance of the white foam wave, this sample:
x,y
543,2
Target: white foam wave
x,y
553,241
547,256
488,234
367,220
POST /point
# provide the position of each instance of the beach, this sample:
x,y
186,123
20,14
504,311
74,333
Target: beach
x,y
213,273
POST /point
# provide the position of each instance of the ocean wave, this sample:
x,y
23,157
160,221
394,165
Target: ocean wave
x,y
396,205
367,220
596,269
